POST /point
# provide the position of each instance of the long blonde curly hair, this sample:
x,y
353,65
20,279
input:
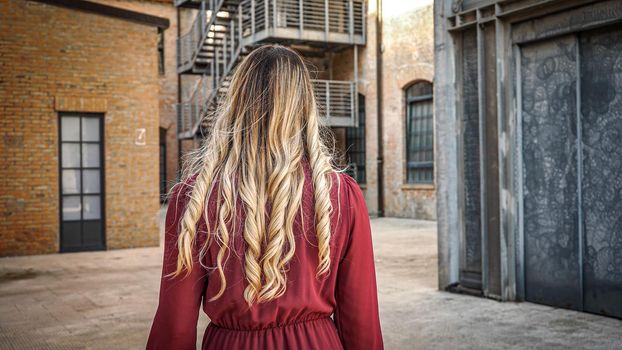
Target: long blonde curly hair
x,y
267,124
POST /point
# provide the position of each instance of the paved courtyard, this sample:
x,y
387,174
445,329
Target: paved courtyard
x,y
106,300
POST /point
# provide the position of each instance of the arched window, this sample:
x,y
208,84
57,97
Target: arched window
x,y
419,133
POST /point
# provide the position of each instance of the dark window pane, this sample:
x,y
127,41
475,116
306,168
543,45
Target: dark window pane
x,y
92,233
419,133
72,237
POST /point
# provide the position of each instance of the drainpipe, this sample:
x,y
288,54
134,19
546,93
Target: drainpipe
x,y
179,155
380,156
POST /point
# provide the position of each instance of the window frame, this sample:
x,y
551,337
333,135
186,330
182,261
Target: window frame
x,y
412,165
102,181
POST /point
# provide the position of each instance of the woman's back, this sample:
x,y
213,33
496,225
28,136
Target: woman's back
x,y
265,235
300,319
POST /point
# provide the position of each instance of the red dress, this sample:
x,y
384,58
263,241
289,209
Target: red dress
x,y
301,318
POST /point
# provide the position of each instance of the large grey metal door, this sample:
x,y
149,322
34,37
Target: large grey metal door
x,y
601,119
571,110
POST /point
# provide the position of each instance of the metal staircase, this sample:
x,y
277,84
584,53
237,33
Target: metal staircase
x,y
224,31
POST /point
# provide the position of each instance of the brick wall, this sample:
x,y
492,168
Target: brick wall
x,y
343,69
408,56
55,58
167,81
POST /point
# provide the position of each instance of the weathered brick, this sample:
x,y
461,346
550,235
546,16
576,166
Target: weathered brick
x,y
52,60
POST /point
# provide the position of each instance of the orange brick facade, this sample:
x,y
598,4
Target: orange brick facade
x,y
54,60
168,80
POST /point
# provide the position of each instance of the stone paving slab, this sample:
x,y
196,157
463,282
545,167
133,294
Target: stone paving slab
x,y
106,300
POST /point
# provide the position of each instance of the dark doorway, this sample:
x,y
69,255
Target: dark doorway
x,y
81,182
355,146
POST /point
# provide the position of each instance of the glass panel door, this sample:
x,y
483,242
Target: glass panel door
x,y
81,180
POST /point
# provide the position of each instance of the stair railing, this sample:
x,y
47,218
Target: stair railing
x,y
336,98
189,44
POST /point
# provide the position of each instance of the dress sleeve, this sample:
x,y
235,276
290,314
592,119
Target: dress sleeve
x,y
356,314
175,322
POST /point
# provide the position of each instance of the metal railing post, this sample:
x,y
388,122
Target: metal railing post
x,y
274,14
301,23
232,31
203,18
224,54
266,15
355,95
216,57
240,32
351,20
326,24
253,20
179,58
327,107
364,21
211,72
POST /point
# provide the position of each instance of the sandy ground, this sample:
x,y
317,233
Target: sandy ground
x,y
106,300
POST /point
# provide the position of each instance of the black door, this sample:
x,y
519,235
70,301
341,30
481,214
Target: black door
x,y
81,182
571,108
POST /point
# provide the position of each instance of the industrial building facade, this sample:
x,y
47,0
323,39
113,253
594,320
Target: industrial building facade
x,y
83,101
529,117
373,74
98,103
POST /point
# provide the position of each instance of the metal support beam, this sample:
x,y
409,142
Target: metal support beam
x,y
266,16
274,14
355,97
351,20
253,20
326,22
301,23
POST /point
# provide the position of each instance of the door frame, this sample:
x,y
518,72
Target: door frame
x,y
515,23
100,117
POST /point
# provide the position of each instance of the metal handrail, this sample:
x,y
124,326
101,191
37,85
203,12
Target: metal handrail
x,y
189,44
327,16
336,99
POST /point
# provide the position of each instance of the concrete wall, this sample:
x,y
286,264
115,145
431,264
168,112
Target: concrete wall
x,y
53,60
